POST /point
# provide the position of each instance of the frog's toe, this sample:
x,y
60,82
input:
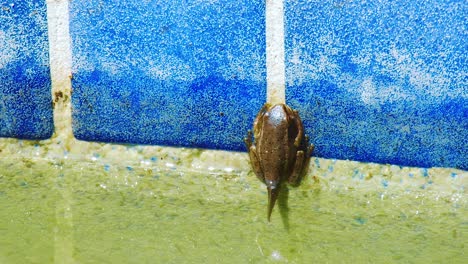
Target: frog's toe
x,y
310,149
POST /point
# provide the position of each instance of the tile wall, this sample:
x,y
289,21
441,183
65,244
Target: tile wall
x,y
373,81
25,84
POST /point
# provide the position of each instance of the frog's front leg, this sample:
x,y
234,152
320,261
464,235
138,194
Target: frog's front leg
x,y
257,168
300,129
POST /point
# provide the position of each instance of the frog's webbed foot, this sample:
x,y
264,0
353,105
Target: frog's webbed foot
x,y
310,147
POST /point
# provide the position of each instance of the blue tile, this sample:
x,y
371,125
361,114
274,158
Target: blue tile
x,y
381,81
25,85
180,73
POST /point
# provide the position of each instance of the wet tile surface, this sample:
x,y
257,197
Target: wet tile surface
x,y
373,82
180,73
25,95
381,82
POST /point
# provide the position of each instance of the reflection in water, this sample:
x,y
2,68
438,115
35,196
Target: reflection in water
x,y
283,205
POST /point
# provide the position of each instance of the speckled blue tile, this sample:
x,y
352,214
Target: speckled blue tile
x,y
25,85
180,73
381,81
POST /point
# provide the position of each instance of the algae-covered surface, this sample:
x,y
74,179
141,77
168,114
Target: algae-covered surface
x,y
68,211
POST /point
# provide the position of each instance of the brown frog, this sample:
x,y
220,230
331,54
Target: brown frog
x,y
281,151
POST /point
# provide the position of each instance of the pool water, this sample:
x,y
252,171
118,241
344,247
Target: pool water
x,y
65,211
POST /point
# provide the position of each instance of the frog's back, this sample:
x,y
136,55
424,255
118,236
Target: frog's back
x,y
275,146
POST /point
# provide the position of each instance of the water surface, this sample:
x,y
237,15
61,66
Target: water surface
x,y
69,211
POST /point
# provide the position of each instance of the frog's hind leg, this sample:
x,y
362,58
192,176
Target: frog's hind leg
x,y
302,163
297,170
256,166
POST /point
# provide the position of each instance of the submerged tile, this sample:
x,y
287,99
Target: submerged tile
x,y
25,85
381,82
180,73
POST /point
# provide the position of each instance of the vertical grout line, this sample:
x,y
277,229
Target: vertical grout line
x,y
276,75
63,231
60,71
60,67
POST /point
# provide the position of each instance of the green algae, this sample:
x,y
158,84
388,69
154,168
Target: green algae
x,y
67,211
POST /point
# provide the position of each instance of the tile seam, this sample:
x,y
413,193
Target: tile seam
x,y
60,66
60,73
275,65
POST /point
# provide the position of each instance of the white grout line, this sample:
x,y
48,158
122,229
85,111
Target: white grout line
x,y
60,71
60,66
61,59
276,76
